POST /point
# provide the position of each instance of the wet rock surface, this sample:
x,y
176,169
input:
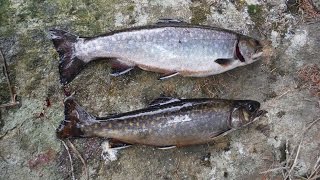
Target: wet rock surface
x,y
267,149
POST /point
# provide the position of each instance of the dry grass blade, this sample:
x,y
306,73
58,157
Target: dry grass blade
x,y
309,9
74,149
315,173
70,159
291,163
13,101
288,174
295,161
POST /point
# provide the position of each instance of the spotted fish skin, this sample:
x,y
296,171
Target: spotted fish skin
x,y
167,48
175,122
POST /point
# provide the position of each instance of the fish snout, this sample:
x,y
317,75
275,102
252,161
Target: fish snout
x,y
244,112
250,49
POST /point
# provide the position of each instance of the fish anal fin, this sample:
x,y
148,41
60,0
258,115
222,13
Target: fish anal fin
x,y
224,62
168,75
169,20
163,100
119,68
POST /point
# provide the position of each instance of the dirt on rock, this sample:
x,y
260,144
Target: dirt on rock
x,y
284,144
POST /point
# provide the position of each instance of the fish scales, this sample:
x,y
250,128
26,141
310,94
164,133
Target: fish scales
x,y
184,49
179,123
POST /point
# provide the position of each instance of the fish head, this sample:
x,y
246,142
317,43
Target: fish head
x,y
249,50
245,112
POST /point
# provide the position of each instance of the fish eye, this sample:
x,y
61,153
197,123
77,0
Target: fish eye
x,y
251,108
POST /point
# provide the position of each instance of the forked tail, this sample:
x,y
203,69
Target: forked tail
x,y
70,65
76,118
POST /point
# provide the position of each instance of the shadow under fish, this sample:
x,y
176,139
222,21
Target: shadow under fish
x,y
166,122
170,47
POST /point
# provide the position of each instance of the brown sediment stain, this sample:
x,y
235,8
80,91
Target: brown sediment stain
x,y
311,75
222,143
309,10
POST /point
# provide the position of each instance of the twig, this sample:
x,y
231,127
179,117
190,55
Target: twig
x,y
13,101
295,160
315,178
315,169
287,174
284,93
74,149
299,147
310,125
70,158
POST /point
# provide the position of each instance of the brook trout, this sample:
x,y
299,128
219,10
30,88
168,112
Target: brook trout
x,y
166,122
170,47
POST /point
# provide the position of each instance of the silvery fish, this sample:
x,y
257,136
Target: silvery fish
x,y
166,122
170,47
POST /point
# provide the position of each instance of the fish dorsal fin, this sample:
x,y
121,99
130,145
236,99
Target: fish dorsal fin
x,y
169,21
163,100
224,62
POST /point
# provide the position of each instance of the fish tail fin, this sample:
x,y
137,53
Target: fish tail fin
x,y
70,65
75,119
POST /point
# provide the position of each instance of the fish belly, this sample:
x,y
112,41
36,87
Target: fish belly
x,y
169,49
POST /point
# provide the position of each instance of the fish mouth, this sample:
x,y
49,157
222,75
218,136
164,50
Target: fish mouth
x,y
256,55
258,114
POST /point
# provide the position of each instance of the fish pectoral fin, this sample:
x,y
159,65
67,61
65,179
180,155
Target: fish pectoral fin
x,y
170,21
163,100
166,147
168,75
119,68
224,62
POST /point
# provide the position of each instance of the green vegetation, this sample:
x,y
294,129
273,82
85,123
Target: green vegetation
x,y
256,14
199,13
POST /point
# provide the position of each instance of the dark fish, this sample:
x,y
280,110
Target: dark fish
x,y
170,47
166,122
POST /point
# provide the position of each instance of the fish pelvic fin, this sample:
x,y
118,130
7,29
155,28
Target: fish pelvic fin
x,y
75,119
70,65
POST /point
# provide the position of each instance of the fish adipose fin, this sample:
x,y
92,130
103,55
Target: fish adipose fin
x,y
70,65
119,68
224,62
75,117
